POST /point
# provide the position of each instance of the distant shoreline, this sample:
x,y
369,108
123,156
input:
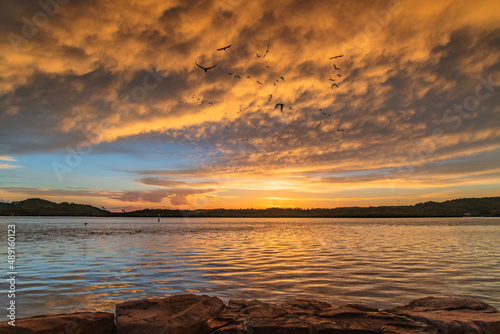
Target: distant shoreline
x,y
464,207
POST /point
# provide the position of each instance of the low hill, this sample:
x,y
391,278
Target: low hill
x,y
41,207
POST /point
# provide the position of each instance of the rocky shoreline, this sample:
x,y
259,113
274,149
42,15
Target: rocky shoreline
x,y
194,314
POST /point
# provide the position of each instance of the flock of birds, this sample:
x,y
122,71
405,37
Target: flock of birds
x,y
278,105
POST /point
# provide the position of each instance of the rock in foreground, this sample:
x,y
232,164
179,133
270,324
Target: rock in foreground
x,y
453,315
184,314
76,323
192,314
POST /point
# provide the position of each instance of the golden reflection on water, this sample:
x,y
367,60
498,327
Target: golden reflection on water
x,y
67,267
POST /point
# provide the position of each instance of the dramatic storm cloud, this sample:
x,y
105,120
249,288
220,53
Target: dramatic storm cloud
x,y
102,101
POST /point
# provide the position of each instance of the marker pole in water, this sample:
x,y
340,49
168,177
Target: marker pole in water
x,y
158,218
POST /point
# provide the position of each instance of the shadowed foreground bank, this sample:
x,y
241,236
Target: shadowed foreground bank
x,y
193,314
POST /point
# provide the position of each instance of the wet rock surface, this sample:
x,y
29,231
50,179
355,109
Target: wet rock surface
x,y
310,316
453,315
185,314
75,323
193,314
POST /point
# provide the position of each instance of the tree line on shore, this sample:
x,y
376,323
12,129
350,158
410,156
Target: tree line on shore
x,y
486,207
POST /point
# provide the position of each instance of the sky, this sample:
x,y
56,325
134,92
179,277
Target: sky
x,y
102,102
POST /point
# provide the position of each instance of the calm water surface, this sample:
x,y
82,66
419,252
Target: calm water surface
x,y
65,266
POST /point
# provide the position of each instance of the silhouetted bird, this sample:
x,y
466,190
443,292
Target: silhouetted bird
x,y
332,79
337,57
205,68
335,85
86,224
248,77
224,48
279,105
335,67
227,127
264,56
103,207
339,75
237,76
282,78
230,73
260,83
123,211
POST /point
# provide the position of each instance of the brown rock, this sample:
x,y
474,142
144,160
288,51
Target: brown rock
x,y
192,314
453,315
180,314
302,316
76,323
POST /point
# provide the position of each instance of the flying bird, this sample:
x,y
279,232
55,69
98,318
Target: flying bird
x,y
123,211
264,56
227,127
332,79
260,83
248,77
339,75
335,85
237,76
230,73
224,48
205,68
335,67
340,56
282,78
279,105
